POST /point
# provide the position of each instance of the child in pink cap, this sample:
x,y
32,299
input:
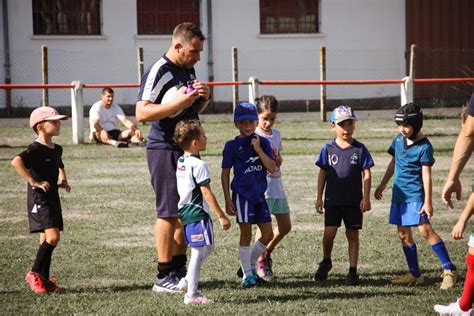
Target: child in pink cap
x,y
42,167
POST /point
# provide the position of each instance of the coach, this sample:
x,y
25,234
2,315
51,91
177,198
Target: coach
x,y
176,67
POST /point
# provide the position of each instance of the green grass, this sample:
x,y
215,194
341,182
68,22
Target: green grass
x,y
106,258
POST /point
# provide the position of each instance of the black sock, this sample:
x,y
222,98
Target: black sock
x,y
353,270
47,262
179,262
327,261
164,269
44,254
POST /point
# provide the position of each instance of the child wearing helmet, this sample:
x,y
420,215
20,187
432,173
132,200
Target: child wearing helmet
x,y
412,159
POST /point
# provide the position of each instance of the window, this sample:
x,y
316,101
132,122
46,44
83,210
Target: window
x,y
289,16
66,17
161,16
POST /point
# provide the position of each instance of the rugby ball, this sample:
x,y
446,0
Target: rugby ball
x,y
172,94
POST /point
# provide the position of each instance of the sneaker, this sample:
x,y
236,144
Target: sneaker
x,y
183,285
352,278
120,144
258,279
36,282
265,272
167,284
240,273
249,281
141,143
449,279
323,270
51,287
452,309
408,279
197,299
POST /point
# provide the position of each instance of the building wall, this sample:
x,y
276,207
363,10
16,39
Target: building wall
x,y
364,38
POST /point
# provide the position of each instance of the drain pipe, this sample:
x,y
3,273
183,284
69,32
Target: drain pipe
x,y
210,56
6,48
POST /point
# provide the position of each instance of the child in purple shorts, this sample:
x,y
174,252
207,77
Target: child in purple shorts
x,y
251,157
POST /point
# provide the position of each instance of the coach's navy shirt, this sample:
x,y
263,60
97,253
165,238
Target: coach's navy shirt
x,y
157,79
344,168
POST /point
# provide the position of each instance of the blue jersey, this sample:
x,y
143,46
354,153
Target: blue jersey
x,y
157,79
250,176
407,180
344,168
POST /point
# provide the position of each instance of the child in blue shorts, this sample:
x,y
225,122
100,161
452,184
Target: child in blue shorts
x,y
345,177
195,199
251,157
412,159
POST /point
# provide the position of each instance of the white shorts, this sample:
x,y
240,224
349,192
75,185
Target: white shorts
x,y
471,240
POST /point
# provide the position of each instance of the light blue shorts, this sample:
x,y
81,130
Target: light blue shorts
x,y
406,214
471,240
199,234
278,206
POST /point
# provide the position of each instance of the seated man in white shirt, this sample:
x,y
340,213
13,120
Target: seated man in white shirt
x,y
103,117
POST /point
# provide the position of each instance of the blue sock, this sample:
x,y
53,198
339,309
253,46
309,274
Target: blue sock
x,y
411,255
440,249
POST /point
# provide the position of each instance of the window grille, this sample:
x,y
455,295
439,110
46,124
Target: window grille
x,y
289,16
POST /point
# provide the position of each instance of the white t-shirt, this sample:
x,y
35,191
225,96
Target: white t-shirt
x,y
107,117
275,188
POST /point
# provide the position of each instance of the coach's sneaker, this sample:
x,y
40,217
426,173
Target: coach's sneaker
x,y
452,309
196,299
449,279
36,282
167,284
322,273
183,285
249,281
51,287
408,279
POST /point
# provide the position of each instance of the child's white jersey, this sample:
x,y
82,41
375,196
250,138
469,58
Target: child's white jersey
x,y
191,173
275,188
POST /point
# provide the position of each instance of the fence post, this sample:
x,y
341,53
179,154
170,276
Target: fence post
x,y
141,64
44,74
77,112
407,93
322,93
235,78
253,89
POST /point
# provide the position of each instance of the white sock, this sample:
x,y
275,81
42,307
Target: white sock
x,y
257,249
244,257
198,255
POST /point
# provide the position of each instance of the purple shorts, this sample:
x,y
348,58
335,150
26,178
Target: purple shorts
x,y
162,167
251,213
199,234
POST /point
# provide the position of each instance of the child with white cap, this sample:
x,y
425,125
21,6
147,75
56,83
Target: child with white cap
x,y
42,167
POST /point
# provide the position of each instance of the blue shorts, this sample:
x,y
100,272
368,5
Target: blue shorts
x,y
199,234
406,214
251,213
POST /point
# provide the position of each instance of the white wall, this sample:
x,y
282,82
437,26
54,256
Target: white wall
x,y
364,38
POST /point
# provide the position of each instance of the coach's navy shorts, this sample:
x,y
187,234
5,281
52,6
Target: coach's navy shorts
x,y
199,234
162,167
248,212
352,216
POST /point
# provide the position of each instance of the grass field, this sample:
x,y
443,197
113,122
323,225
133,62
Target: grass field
x,y
106,258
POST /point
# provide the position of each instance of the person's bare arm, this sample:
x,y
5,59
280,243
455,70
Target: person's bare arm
x,y
387,176
19,166
428,189
367,182
225,180
319,195
461,154
214,206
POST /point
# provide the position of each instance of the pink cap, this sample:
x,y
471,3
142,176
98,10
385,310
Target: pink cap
x,y
45,113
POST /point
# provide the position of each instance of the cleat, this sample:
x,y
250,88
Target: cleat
x,y
449,279
36,282
197,299
408,279
167,284
183,285
323,270
352,279
249,281
258,279
452,309
51,287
